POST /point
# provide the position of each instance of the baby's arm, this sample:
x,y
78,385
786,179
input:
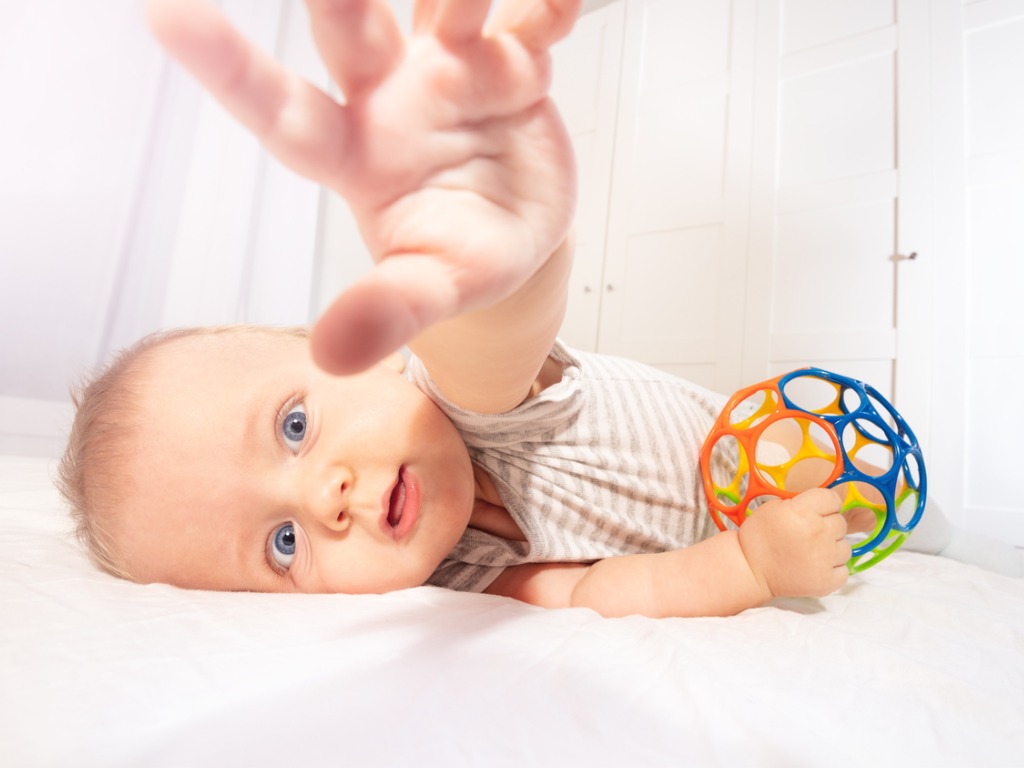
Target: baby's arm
x,y
791,548
452,158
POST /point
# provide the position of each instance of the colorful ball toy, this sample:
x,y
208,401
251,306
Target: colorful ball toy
x,y
813,428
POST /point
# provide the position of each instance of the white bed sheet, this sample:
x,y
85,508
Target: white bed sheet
x,y
919,661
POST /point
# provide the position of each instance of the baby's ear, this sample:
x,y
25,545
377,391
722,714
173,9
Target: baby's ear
x,y
395,361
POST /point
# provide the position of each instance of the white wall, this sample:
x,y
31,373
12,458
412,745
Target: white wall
x,y
130,202
78,84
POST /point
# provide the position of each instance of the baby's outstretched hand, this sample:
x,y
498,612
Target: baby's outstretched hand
x,y
797,547
451,156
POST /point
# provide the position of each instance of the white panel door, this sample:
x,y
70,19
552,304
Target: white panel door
x,y
994,78
676,252
586,90
825,222
979,319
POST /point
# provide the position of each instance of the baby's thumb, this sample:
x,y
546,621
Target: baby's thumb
x,y
824,501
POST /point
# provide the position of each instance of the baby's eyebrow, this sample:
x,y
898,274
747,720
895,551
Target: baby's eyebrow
x,y
256,428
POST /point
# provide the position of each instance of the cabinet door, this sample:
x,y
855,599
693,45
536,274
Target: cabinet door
x,y
586,90
978,318
829,183
673,293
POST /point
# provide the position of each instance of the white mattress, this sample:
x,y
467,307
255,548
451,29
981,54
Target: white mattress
x,y
918,661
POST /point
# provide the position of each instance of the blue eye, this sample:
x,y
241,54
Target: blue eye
x,y
293,427
281,547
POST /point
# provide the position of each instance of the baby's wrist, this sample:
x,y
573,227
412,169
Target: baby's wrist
x,y
748,545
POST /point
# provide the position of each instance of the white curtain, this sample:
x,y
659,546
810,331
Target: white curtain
x,y
129,201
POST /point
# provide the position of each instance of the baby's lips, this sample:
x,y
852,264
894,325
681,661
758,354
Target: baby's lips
x,y
400,505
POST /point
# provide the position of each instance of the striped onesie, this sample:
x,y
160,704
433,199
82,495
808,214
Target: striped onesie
x,y
603,463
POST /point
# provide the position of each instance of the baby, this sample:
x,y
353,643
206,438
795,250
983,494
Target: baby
x,y
497,460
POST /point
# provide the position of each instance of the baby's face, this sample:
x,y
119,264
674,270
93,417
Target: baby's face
x,y
257,471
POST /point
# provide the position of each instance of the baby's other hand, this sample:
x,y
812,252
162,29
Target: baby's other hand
x,y
447,148
797,547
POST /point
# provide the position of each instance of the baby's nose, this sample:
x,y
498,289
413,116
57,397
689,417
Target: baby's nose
x,y
328,499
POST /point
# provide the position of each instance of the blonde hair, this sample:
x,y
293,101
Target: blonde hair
x,y
91,475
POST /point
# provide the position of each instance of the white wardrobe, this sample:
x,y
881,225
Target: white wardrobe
x,y
767,184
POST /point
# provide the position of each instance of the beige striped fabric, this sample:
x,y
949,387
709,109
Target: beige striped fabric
x,y
603,463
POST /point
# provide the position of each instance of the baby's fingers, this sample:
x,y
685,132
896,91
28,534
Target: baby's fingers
x,y
359,40
451,20
401,297
297,122
820,501
840,575
829,571
843,552
539,24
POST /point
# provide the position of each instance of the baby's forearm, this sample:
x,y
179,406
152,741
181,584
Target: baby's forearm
x,y
788,548
711,578
487,361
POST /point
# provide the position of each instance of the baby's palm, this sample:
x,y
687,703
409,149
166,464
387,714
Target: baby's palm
x,y
453,160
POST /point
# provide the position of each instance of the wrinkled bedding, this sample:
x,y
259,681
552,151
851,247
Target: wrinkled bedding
x,y
918,661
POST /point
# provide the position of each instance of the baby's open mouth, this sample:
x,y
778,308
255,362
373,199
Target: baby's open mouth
x,y
396,505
